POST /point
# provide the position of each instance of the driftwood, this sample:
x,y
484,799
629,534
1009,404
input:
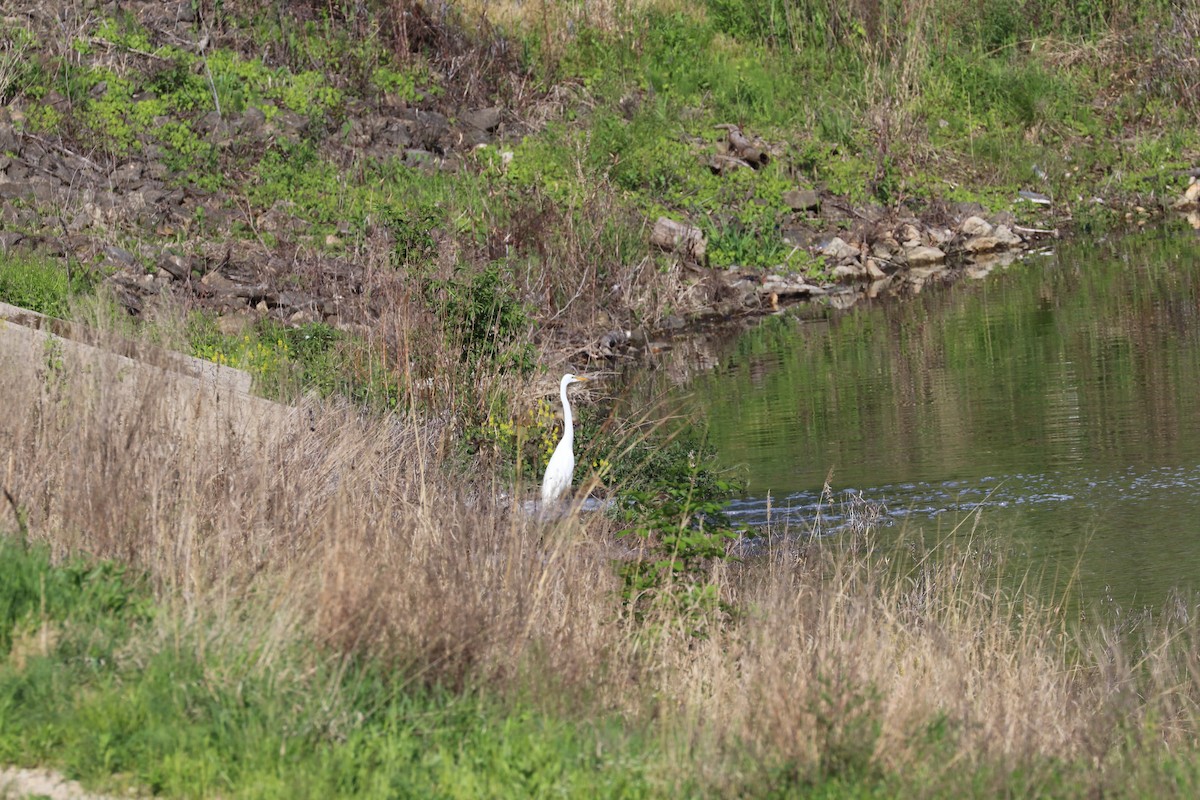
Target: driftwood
x,y
741,147
678,236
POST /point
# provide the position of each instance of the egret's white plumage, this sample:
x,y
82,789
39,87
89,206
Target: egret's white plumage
x,y
561,468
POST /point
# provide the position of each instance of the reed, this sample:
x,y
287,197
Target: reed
x,y
359,537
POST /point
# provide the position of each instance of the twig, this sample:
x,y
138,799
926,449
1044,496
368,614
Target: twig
x,y
22,522
66,150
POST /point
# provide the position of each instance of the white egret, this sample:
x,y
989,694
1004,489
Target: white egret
x,y
561,468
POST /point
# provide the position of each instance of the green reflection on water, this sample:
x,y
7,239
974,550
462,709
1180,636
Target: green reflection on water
x,y
1068,384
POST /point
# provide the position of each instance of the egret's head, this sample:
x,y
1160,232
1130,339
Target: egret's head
x,y
568,379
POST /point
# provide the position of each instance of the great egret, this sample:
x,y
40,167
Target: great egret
x,y
562,464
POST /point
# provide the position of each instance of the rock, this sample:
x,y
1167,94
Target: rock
x,y
837,250
12,190
1005,236
9,139
975,226
848,272
421,159
667,234
802,200
119,256
673,323
1190,200
874,271
982,244
177,266
923,254
126,176
909,236
484,119
939,236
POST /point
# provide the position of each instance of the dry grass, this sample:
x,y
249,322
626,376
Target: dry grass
x,y
349,530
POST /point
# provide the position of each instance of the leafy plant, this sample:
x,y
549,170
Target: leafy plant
x,y
678,517
40,284
482,315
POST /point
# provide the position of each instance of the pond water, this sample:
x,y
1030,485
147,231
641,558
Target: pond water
x,y
1057,399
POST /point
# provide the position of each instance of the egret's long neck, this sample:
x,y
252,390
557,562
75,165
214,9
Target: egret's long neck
x,y
568,427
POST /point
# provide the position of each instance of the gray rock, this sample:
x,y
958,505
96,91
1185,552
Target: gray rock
x,y
422,159
9,139
484,119
975,226
982,244
802,200
252,119
909,236
839,251
922,254
126,176
1005,236
848,272
13,190
119,255
178,267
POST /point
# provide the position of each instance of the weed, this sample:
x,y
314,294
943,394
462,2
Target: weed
x,y
41,284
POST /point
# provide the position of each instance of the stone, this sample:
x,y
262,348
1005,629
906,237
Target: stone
x,y
802,200
13,190
484,119
909,236
923,254
975,226
874,271
177,266
126,176
1005,236
982,244
1190,199
847,272
421,159
119,255
838,250
9,139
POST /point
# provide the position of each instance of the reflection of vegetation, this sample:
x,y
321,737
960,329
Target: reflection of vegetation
x,y
1002,363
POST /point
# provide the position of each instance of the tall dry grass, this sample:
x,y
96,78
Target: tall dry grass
x,y
322,524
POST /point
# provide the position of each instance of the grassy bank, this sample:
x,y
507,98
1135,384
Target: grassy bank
x,y
332,609
344,600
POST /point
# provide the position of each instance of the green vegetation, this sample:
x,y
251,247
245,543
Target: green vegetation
x,y
41,284
288,361
88,684
352,607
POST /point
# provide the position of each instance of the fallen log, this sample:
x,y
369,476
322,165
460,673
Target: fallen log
x,y
668,234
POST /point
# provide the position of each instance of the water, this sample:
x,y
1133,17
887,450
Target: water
x,y
1059,399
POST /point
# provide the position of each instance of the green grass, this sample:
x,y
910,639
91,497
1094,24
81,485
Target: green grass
x,y
287,361
41,284
109,686
94,681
